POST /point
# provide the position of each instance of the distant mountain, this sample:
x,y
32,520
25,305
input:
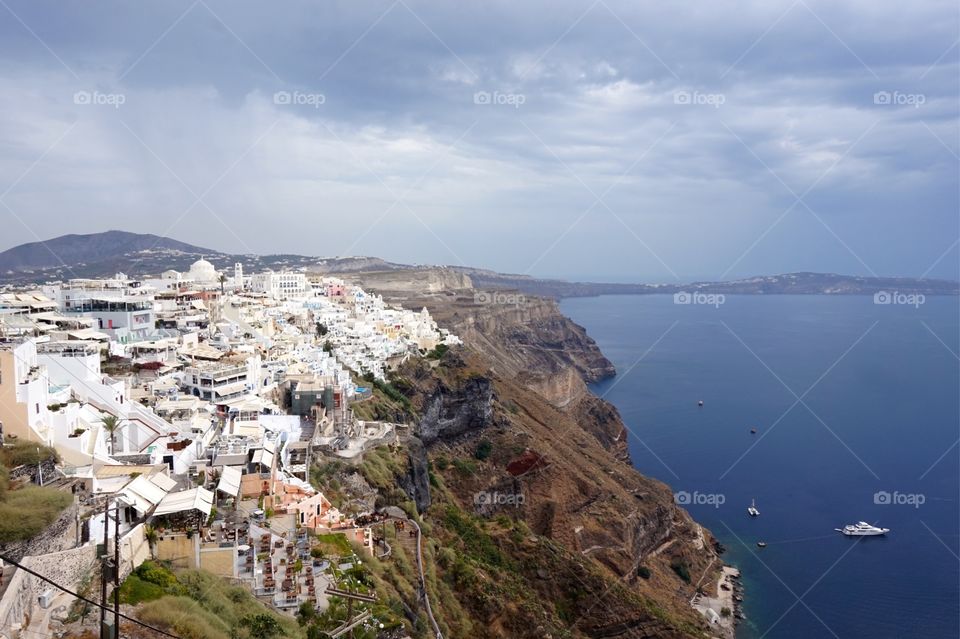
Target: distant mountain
x,y
786,284
136,254
83,249
139,254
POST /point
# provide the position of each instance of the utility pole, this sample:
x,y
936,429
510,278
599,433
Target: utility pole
x,y
116,575
39,467
103,566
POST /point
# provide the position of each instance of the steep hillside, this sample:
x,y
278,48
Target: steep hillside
x,y
533,527
536,523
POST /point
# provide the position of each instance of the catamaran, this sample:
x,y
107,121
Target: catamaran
x,y
862,529
752,510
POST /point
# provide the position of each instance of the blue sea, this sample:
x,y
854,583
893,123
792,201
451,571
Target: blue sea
x,y
857,412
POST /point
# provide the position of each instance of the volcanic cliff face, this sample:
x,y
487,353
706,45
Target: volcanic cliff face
x,y
511,433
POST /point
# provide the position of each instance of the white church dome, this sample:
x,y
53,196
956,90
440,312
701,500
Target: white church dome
x,y
203,271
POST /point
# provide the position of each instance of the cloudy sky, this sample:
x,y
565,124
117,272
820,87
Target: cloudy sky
x,y
623,140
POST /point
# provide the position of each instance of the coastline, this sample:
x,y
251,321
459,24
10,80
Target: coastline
x,y
729,596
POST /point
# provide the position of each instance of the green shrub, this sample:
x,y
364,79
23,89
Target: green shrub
x,y
643,572
438,352
680,567
135,591
484,448
154,573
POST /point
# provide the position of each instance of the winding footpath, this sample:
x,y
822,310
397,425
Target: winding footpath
x,y
423,582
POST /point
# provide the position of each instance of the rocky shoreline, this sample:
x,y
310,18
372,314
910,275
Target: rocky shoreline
x,y
723,611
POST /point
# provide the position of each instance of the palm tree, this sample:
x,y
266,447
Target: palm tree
x,y
111,423
223,279
151,535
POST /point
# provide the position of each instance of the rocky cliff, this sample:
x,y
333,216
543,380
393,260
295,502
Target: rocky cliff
x,y
524,475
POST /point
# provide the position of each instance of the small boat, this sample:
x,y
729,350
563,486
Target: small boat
x,y
761,544
700,402
752,510
862,529
753,431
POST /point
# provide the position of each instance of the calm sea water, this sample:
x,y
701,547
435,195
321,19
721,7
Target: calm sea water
x,y
879,387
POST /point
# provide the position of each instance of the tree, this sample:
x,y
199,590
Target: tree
x,y
111,423
261,626
223,279
321,330
306,613
150,534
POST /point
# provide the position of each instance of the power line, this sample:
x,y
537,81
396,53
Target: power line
x,y
84,599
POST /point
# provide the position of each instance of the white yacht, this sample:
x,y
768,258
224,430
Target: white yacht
x,y
862,529
752,510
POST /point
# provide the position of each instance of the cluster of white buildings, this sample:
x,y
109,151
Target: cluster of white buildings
x,y
197,372
174,394
185,358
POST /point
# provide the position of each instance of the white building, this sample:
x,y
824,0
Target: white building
x,y
280,285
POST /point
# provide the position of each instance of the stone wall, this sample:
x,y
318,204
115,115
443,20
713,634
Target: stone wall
x,y
133,458
60,535
70,568
29,471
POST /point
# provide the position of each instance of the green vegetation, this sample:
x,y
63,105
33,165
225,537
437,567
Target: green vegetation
x,y
198,605
27,511
18,452
391,392
148,582
381,467
725,612
333,544
484,448
680,567
643,572
111,423
438,352
476,542
465,466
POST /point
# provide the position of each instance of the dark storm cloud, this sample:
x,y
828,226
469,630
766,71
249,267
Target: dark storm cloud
x,y
606,137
